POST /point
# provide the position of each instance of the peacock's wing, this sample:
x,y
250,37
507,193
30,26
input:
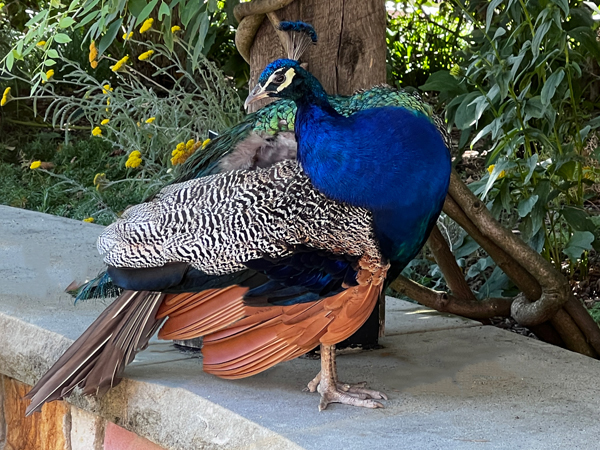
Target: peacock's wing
x,y
261,260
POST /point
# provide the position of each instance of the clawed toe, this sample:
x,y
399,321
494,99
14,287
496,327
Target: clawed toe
x,y
353,399
332,391
361,390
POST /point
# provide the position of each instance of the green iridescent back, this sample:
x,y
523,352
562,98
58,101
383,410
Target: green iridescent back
x,y
280,115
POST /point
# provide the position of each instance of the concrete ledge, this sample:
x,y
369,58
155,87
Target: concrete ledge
x,y
452,383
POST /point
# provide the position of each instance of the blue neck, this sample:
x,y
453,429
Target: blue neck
x,y
390,160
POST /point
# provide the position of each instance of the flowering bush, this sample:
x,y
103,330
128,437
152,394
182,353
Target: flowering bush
x,y
142,116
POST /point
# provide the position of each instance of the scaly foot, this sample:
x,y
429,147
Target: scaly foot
x,y
355,395
332,391
357,390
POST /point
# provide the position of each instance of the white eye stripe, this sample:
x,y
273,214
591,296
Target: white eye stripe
x,y
289,76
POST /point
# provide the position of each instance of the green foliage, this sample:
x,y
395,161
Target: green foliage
x,y
595,312
67,189
203,24
141,111
523,91
422,37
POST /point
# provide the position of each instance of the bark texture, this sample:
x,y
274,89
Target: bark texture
x,y
351,51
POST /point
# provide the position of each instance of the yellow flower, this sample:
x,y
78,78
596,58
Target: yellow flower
x,y
93,53
119,63
88,219
490,169
105,121
41,43
146,25
205,143
175,29
5,96
127,36
106,89
97,131
50,74
98,178
150,120
184,150
94,64
145,55
134,159
35,165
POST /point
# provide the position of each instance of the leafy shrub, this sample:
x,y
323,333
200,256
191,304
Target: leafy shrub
x,y
521,91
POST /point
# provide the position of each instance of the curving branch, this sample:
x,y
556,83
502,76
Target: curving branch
x,y
444,302
447,262
555,288
250,16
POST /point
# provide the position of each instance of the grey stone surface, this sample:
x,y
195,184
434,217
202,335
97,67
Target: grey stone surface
x,y
452,383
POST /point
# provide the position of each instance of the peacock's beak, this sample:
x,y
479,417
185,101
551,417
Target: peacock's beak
x,y
257,93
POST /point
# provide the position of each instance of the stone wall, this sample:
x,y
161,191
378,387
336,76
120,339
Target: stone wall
x,y
60,426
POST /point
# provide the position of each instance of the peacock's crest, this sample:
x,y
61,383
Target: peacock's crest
x,y
300,36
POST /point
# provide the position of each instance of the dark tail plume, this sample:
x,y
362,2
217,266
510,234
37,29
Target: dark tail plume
x,y
95,361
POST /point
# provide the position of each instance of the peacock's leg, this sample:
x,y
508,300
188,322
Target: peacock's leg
x,y
332,391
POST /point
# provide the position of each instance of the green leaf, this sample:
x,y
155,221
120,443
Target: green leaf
x,y
168,36
189,11
526,205
163,11
110,35
144,13
468,246
37,18
490,13
534,108
49,62
482,133
465,114
441,81
62,38
135,7
579,242
539,35
567,170
66,22
87,19
52,53
578,219
10,60
564,5
212,5
204,25
499,33
549,88
531,163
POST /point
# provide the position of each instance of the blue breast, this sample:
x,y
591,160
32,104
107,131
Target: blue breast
x,y
389,160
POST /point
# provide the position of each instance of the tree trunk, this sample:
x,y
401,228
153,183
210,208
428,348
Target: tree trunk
x,y
350,54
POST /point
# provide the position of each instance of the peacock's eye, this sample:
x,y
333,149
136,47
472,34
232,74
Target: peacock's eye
x,y
279,78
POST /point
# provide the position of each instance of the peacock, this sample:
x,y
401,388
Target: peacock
x,y
265,255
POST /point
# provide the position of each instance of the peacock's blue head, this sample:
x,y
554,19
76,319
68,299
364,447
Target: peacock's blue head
x,y
284,78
